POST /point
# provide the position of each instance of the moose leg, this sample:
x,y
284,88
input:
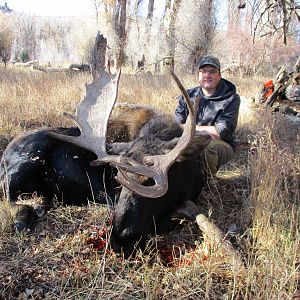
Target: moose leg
x,y
188,210
24,218
28,211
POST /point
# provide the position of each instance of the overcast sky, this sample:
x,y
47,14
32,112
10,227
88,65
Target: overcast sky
x,y
60,7
52,7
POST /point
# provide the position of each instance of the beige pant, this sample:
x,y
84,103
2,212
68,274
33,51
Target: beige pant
x,y
216,154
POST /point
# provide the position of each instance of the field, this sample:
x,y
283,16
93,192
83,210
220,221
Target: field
x,y
64,258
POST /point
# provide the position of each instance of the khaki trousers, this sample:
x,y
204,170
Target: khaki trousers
x,y
216,154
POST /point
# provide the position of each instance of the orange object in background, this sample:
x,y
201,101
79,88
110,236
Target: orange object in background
x,y
268,88
269,84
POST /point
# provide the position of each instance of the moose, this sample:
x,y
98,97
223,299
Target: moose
x,y
140,162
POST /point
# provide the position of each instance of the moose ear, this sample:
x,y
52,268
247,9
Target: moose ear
x,y
197,145
118,148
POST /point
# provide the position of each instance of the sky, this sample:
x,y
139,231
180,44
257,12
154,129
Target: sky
x,y
52,7
58,7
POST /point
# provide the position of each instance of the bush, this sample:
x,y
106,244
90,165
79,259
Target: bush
x,y
24,56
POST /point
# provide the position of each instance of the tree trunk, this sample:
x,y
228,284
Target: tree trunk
x,y
119,21
99,53
284,21
150,9
149,19
171,12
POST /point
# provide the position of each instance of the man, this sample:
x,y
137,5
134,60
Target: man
x,y
217,114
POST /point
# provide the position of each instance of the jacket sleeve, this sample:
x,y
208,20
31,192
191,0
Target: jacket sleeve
x,y
181,112
226,122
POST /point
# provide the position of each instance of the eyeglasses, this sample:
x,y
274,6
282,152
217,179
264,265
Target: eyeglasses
x,y
212,72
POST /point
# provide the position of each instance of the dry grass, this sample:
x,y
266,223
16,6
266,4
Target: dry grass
x,y
259,191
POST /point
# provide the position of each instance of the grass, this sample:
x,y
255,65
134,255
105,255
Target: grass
x,y
258,191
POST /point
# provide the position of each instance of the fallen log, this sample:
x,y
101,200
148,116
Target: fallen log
x,y
73,68
295,106
25,64
49,69
80,68
282,95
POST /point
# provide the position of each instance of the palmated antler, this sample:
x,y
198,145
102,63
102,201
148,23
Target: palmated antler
x,y
157,166
92,116
93,112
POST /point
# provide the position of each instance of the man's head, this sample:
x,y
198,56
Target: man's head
x,y
209,61
209,74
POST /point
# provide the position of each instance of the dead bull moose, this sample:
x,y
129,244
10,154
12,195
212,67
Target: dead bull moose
x,y
158,169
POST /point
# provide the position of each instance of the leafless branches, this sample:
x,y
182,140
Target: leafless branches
x,y
273,16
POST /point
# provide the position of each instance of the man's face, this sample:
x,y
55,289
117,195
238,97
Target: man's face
x,y
209,78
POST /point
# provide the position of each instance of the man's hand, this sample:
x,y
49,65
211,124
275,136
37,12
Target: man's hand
x,y
211,130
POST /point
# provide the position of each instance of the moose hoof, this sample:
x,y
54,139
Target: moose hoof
x,y
20,226
24,219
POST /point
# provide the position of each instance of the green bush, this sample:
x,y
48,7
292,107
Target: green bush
x,y
24,56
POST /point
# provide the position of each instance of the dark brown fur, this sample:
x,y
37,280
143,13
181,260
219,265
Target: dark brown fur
x,y
127,120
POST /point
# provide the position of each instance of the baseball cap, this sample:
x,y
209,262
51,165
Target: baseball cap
x,y
209,60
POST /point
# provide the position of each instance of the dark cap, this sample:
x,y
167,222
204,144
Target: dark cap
x,y
209,60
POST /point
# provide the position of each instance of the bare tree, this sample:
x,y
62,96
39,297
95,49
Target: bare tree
x,y
190,30
27,36
6,39
140,34
119,25
136,12
134,32
149,18
271,17
150,9
97,4
171,11
234,16
115,13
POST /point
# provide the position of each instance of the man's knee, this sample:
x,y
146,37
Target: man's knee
x,y
224,151
210,160
216,154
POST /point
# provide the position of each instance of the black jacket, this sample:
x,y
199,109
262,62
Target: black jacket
x,y
220,110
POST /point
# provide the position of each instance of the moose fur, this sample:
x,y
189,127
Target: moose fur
x,y
36,163
40,162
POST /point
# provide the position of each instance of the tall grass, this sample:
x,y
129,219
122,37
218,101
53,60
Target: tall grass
x,y
258,191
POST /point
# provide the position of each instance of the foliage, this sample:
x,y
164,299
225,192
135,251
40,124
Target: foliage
x,y
24,56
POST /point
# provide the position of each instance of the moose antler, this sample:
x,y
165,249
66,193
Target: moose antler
x,y
92,114
156,167
94,109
